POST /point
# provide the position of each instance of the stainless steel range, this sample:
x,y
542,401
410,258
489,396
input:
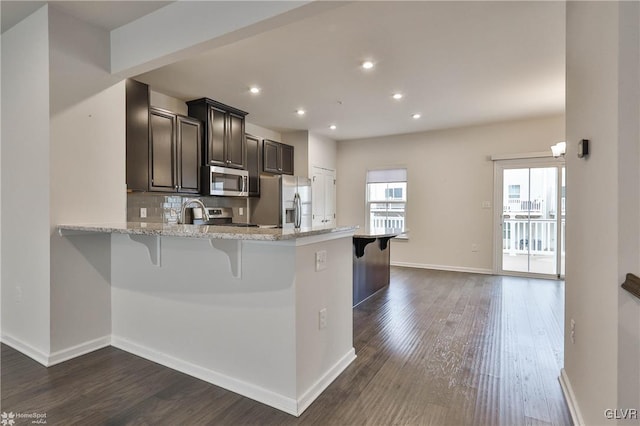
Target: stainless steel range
x,y
222,216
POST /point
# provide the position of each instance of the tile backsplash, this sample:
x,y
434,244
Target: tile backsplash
x,y
165,208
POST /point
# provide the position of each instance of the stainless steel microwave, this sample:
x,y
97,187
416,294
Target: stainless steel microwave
x,y
225,181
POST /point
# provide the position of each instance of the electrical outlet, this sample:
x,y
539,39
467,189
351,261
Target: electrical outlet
x,y
321,260
241,211
474,247
322,318
18,293
573,331
486,204
143,212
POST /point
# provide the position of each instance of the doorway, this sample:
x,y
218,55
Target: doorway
x,y
530,227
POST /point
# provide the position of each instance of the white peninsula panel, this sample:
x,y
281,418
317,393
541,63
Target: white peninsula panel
x,y
254,330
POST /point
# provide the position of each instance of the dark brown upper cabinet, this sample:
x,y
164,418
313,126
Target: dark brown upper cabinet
x,y
189,149
224,132
137,135
253,164
175,146
277,157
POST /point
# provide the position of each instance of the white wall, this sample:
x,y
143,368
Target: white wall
x,y
154,40
87,180
629,212
300,142
311,149
25,192
261,132
602,365
160,100
0,185
322,152
449,176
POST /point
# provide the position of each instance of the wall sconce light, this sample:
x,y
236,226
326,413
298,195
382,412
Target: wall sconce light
x,y
559,149
583,148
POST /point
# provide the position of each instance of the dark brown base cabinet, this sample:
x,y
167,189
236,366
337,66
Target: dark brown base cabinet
x,y
371,261
277,158
175,152
224,132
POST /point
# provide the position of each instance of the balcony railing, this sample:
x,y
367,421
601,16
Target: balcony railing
x,y
516,205
386,222
531,236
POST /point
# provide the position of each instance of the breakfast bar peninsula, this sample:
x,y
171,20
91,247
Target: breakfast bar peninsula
x,y
265,313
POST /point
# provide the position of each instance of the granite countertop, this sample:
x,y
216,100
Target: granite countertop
x,y
202,231
378,232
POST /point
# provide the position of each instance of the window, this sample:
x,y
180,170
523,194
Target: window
x,y
387,198
393,193
514,191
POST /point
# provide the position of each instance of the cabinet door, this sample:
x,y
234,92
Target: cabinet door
x,y
270,156
217,130
189,147
235,147
317,195
253,164
137,127
323,191
162,147
286,159
330,198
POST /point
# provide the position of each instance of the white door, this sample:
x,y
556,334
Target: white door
x,y
323,192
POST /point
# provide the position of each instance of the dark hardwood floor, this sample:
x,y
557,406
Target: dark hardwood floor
x,y
441,348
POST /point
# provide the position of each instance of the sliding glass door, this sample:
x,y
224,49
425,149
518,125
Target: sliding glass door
x,y
530,238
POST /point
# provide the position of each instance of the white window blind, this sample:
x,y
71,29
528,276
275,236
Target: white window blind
x,y
387,176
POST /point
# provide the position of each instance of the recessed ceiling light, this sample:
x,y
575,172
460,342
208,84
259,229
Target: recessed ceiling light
x,y
397,96
255,90
300,112
367,65
333,127
416,116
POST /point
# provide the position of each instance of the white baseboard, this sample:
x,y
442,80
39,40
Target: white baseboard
x,y
570,397
26,349
78,350
265,396
59,356
318,387
444,268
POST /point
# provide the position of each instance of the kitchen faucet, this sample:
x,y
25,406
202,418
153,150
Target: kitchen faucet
x,y
186,204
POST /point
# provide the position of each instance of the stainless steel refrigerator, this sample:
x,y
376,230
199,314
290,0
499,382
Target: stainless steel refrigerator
x,y
284,201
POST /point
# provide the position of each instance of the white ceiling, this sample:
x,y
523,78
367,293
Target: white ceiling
x,y
458,63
